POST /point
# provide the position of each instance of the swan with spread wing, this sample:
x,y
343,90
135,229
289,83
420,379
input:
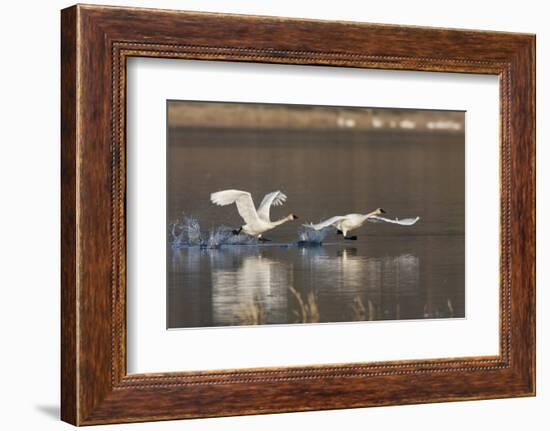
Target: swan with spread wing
x,y
256,221
349,222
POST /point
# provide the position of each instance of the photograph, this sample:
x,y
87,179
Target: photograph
x,y
281,214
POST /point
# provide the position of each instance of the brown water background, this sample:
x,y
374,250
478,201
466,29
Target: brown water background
x,y
391,271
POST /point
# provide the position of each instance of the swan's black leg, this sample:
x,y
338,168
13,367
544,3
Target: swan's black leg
x,y
339,232
353,238
262,239
237,232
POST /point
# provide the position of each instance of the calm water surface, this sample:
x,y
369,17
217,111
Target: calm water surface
x,y
390,272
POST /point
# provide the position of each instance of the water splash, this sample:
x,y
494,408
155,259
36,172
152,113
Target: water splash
x,y
223,235
187,233
311,237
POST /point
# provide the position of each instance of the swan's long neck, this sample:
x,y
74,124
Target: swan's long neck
x,y
281,221
373,213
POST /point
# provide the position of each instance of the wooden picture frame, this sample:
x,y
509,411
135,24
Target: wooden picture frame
x,y
95,43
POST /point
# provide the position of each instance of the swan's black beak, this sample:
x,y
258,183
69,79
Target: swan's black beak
x,y
382,211
294,217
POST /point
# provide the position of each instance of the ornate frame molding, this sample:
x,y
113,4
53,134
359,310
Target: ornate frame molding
x,y
96,41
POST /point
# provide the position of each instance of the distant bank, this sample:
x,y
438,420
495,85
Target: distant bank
x,y
275,116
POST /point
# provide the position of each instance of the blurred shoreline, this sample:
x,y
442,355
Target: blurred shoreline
x,y
184,114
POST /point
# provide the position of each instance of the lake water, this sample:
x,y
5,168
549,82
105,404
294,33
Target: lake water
x,y
390,272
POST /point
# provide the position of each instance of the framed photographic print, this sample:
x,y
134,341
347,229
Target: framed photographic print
x,y
344,211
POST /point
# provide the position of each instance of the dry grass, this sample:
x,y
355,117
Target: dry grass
x,y
372,311
252,313
360,312
451,308
309,310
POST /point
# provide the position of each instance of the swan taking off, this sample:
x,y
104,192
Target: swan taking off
x,y
347,223
256,222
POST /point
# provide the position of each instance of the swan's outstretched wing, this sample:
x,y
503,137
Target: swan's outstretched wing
x,y
328,222
403,221
243,200
273,198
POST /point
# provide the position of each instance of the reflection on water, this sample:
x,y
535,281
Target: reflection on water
x,y
257,287
271,285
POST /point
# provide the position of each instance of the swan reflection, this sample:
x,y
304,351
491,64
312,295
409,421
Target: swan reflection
x,y
253,292
370,288
254,286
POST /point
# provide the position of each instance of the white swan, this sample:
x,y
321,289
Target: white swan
x,y
256,222
349,222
